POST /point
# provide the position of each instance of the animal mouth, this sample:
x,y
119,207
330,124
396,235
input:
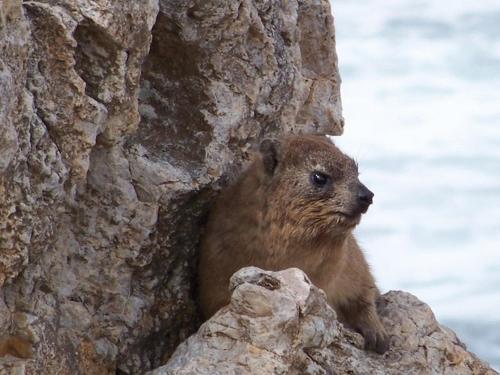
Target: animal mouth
x,y
350,216
348,219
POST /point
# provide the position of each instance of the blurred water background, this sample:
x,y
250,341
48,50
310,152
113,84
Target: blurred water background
x,y
421,98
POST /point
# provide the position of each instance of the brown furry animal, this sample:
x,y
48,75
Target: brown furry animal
x,y
295,206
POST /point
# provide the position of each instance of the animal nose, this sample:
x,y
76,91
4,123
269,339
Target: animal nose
x,y
365,196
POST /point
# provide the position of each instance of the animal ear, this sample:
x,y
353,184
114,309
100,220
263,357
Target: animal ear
x,y
270,150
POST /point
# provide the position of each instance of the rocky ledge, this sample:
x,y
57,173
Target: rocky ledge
x,y
279,323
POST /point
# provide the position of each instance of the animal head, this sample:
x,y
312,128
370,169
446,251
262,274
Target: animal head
x,y
314,187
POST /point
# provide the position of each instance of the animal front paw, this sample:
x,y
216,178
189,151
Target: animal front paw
x,y
375,339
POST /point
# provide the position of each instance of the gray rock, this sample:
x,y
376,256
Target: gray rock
x,y
279,323
118,122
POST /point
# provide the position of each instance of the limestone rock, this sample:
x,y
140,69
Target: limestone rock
x,y
279,323
118,121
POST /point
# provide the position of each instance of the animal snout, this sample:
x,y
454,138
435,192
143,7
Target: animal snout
x,y
365,197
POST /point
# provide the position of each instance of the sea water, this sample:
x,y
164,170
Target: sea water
x,y
421,99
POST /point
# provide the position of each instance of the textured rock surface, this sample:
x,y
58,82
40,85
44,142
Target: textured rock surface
x,y
117,119
278,323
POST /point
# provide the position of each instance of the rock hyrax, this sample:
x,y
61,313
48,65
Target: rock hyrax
x,y
295,206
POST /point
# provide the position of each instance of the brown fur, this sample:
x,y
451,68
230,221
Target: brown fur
x,y
275,217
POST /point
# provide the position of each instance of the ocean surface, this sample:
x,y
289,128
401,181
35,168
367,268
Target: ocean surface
x,y
421,98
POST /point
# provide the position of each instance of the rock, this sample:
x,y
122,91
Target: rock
x,y
279,323
118,122
273,319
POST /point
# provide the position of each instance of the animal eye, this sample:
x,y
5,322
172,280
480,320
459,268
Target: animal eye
x,y
319,179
